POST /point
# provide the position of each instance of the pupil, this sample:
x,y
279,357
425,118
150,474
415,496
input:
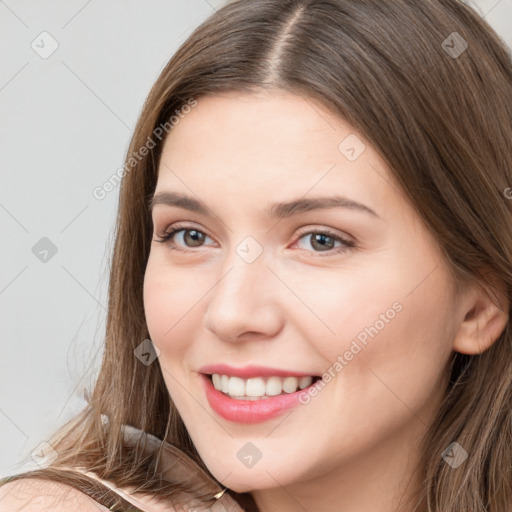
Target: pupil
x,y
196,236
321,239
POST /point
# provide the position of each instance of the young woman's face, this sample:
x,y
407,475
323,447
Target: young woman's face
x,y
247,290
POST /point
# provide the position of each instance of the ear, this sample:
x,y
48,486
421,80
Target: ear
x,y
485,316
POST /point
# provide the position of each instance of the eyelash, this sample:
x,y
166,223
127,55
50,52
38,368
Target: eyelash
x,y
170,231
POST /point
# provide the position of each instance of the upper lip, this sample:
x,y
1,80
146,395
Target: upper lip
x,y
248,372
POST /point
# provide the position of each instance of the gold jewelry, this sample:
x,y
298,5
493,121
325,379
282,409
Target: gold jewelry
x,y
220,494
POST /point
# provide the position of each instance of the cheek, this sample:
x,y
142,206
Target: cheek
x,y
345,305
168,313
174,305
165,303
401,364
387,319
158,304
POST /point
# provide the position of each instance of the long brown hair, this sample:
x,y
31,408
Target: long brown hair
x,y
429,84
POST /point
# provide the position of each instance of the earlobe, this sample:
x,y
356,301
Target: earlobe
x,y
485,316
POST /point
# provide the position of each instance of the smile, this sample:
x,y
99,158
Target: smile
x,y
259,388
251,398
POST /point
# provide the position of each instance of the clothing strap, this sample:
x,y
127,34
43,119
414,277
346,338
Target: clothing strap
x,y
103,494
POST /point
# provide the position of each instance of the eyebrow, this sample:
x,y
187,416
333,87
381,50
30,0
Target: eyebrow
x,y
277,210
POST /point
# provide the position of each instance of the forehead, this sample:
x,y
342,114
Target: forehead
x,y
257,126
278,144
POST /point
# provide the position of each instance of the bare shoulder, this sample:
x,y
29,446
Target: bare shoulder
x,y
39,495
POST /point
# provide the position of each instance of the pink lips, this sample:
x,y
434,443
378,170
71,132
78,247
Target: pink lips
x,y
248,372
249,411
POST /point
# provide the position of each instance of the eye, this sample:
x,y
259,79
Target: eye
x,y
194,236
324,240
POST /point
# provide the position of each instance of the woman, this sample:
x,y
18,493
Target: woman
x,y
310,289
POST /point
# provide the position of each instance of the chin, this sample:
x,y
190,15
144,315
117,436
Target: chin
x,y
249,479
241,487
246,484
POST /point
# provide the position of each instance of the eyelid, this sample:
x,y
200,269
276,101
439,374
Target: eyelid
x,y
323,229
174,227
346,240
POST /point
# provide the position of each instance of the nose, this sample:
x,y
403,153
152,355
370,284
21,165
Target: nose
x,y
243,304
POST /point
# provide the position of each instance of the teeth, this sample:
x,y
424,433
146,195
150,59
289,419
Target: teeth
x,y
258,387
224,383
255,387
290,384
236,386
274,386
304,382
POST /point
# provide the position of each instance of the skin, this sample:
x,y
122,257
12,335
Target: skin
x,y
355,445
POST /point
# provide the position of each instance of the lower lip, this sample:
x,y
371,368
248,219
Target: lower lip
x,y
249,411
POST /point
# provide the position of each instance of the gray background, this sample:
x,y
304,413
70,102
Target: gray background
x,y
66,121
